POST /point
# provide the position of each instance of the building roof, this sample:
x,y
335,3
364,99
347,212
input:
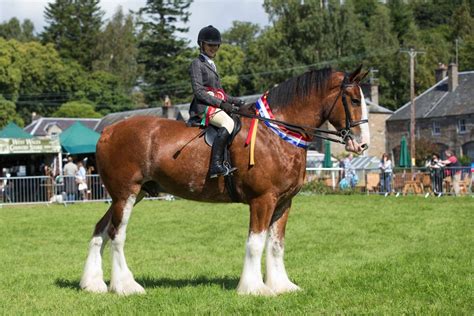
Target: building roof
x,y
375,108
437,101
40,126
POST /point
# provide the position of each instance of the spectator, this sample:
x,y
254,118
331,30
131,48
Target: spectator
x,y
81,180
385,174
70,170
436,174
349,172
452,169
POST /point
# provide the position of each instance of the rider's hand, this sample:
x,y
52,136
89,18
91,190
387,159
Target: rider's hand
x,y
239,103
226,106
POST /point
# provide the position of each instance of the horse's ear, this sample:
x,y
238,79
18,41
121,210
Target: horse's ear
x,y
354,75
361,76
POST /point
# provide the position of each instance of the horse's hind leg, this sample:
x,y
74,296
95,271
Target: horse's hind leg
x,y
122,281
276,276
92,278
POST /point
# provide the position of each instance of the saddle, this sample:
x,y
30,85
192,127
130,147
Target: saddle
x,y
210,133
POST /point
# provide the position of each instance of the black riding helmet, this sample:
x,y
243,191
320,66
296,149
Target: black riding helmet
x,y
209,35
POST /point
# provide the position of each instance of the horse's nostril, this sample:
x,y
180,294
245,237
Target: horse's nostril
x,y
364,146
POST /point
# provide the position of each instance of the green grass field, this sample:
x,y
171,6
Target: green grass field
x,y
349,254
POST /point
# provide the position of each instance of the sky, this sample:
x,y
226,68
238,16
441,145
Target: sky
x,y
219,13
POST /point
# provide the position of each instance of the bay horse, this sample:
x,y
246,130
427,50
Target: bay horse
x,y
139,154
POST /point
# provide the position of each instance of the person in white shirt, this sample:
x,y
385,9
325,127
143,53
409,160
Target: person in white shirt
x,y
70,169
385,174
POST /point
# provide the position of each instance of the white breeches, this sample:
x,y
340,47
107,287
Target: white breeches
x,y
221,119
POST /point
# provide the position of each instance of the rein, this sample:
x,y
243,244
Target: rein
x,y
344,133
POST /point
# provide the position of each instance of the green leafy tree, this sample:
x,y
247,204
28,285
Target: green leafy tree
x,y
165,56
83,109
14,30
230,61
241,34
105,91
117,50
8,113
73,28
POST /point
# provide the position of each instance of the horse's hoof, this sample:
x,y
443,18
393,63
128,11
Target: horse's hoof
x,y
128,288
261,290
94,286
284,288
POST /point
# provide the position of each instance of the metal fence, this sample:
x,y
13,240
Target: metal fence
x,y
422,181
401,181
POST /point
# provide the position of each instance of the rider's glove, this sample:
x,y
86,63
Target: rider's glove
x,y
239,103
226,106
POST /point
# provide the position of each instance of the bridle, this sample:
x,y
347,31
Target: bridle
x,y
344,133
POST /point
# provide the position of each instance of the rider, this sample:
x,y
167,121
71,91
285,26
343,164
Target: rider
x,y
211,103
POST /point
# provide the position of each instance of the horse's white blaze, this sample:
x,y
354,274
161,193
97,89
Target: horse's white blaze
x,y
276,276
93,279
251,281
122,281
364,128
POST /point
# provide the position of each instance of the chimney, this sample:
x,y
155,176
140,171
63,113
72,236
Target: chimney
x,y
440,72
452,77
169,111
374,92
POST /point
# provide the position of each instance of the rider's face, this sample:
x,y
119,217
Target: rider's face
x,y
210,49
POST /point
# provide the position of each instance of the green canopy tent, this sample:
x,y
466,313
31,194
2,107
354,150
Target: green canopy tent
x,y
78,139
404,154
14,131
327,162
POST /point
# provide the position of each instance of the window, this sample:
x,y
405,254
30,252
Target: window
x,y
436,130
461,126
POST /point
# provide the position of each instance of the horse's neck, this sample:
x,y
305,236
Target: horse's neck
x,y
305,112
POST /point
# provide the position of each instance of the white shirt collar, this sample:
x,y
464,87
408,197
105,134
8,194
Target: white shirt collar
x,y
210,61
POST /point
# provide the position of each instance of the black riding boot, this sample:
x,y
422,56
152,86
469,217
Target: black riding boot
x,y
217,154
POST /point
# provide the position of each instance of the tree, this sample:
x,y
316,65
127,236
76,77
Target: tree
x,y
83,109
8,113
241,34
13,30
164,55
230,61
74,26
105,91
117,50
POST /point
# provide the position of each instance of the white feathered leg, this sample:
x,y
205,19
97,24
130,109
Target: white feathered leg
x,y
122,281
93,278
276,276
251,281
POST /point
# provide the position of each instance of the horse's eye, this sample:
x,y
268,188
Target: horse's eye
x,y
355,101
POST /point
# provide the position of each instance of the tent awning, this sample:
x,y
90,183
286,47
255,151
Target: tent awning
x,y
79,139
14,131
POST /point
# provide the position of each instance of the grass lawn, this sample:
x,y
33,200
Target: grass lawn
x,y
349,254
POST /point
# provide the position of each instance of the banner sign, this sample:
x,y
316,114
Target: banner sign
x,y
28,146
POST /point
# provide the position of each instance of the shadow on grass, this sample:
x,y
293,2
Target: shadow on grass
x,y
226,283
68,284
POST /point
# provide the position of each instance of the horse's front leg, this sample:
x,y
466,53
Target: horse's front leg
x,y
276,276
251,281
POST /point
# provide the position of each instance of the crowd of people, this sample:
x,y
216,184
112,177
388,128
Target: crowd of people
x,y
438,168
75,180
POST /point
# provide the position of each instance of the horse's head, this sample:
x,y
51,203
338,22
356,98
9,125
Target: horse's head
x,y
347,110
